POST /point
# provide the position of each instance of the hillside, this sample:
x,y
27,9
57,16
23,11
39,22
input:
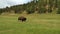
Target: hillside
x,y
40,6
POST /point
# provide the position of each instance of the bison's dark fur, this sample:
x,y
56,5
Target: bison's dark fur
x,y
22,18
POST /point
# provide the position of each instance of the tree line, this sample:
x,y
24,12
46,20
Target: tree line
x,y
39,6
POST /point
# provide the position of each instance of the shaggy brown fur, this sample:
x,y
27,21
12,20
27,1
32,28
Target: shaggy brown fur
x,y
22,18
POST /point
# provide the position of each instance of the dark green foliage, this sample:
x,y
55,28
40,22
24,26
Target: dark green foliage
x,y
42,10
1,11
49,10
58,12
17,11
30,11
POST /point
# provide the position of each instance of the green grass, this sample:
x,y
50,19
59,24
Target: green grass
x,y
35,24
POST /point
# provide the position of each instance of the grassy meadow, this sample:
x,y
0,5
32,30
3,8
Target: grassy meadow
x,y
35,24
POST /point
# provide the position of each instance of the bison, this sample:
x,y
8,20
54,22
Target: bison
x,y
22,18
